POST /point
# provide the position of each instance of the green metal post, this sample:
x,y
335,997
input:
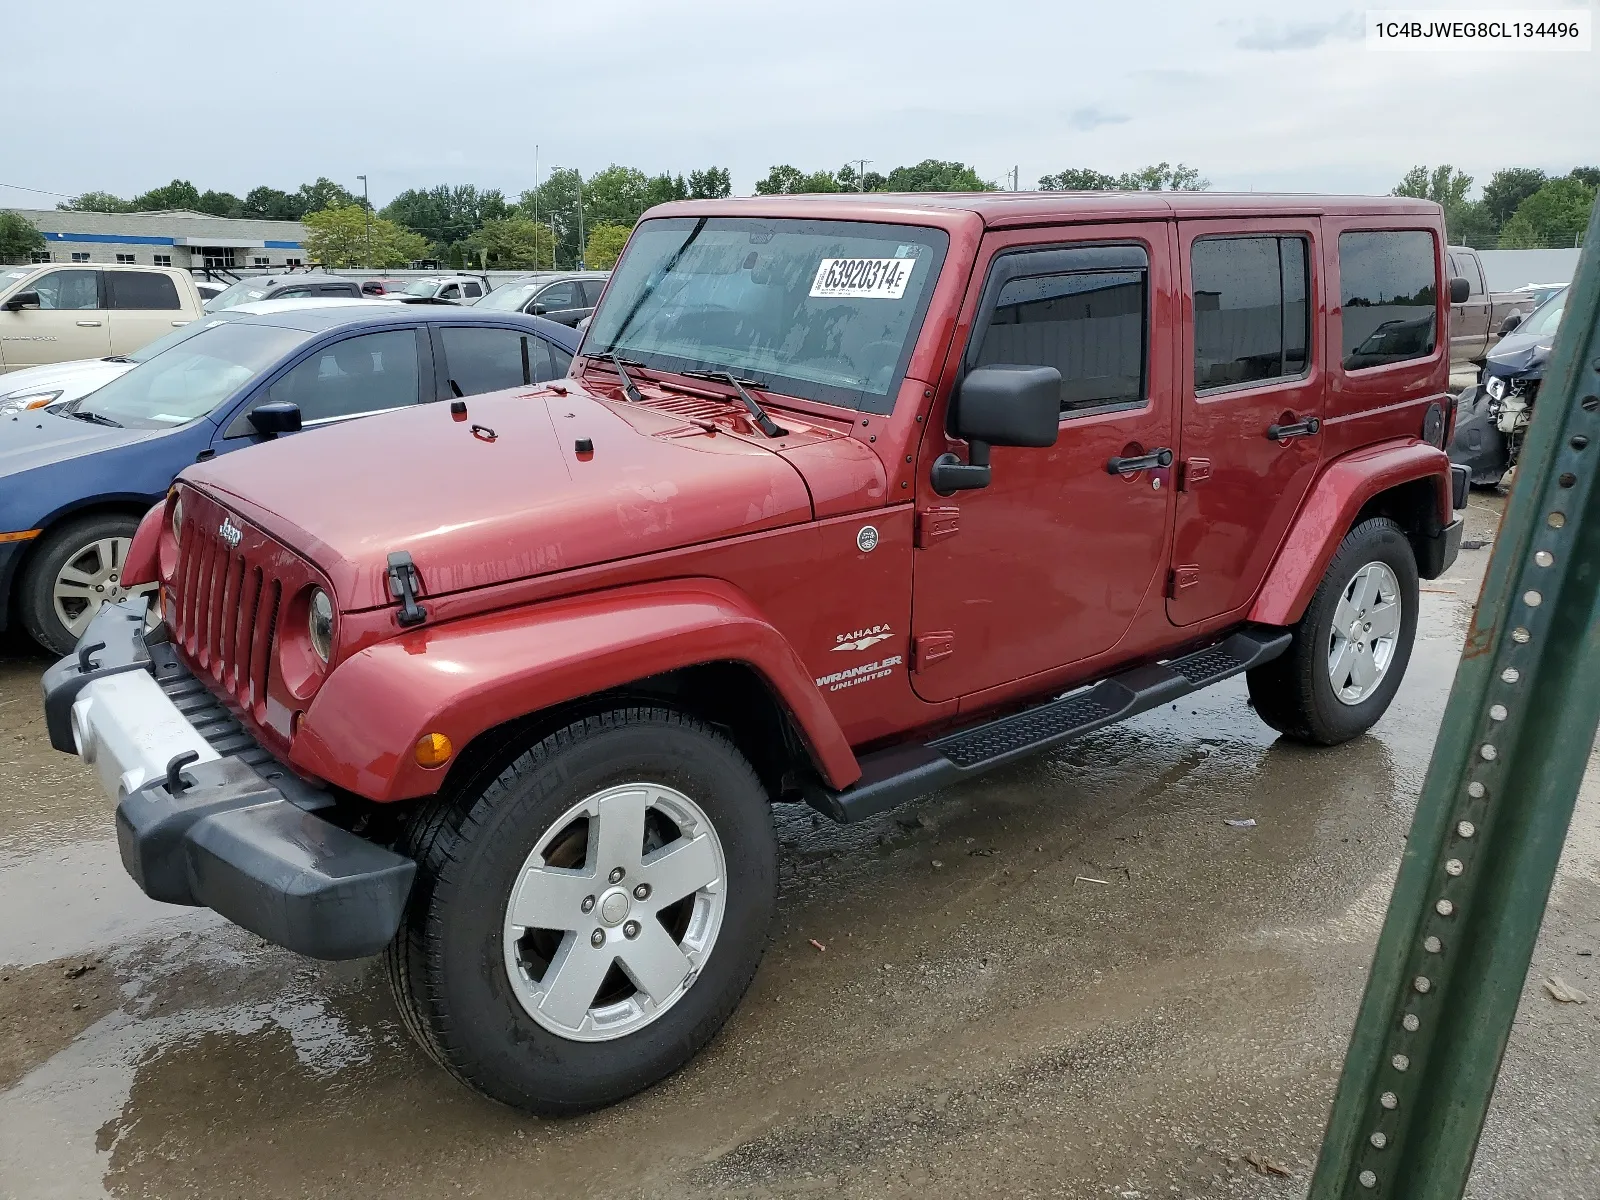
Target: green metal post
x,y
1478,866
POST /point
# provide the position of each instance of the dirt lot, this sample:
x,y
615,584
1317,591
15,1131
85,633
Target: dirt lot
x,y
1071,979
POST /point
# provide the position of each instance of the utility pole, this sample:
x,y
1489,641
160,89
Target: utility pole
x,y
366,219
861,173
581,247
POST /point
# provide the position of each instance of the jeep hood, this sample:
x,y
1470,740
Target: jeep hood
x,y
503,492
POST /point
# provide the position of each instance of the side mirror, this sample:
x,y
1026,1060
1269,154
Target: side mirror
x,y
537,309
999,406
22,300
275,417
1460,289
1510,323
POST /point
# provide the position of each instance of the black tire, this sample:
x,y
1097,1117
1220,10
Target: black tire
x,y
36,595
447,963
1294,693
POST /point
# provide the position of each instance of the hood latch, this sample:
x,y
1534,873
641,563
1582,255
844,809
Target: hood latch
x,y
403,585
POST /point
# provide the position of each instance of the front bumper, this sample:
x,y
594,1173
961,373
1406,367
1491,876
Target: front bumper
x,y
204,815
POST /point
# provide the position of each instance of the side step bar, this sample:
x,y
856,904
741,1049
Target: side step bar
x,y
891,777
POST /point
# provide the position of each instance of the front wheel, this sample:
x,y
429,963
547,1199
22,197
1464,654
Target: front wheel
x,y
1351,647
76,568
581,926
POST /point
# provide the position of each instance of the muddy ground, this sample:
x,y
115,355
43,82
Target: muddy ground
x,y
1071,979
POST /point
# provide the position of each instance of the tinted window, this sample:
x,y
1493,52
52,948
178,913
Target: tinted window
x,y
559,296
358,375
68,289
1387,288
293,293
1089,325
450,291
473,289
591,291
485,360
560,361
1250,311
142,289
337,289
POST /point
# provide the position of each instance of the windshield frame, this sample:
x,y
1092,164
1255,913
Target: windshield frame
x,y
784,388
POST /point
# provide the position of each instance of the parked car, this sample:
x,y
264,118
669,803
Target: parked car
x,y
209,289
1531,295
462,289
1478,320
74,481
565,296
835,508
1494,415
53,313
293,286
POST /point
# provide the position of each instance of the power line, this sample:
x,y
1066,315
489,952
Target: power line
x,y
17,187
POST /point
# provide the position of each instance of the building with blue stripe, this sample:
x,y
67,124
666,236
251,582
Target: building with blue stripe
x,y
170,238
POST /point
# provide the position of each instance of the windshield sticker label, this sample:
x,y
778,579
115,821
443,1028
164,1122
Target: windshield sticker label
x,y
865,673
863,278
861,639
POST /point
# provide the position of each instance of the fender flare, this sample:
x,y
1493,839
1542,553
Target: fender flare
x,y
1339,494
463,678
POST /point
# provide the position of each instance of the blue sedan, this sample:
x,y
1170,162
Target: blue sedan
x,y
75,481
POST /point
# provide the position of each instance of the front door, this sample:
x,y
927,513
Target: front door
x,y
1051,562
70,322
1252,397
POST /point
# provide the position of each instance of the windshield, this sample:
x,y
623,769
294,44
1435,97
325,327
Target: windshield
x,y
825,310
242,292
422,287
191,376
7,278
1546,319
509,297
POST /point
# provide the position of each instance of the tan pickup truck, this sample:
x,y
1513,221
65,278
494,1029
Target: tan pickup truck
x,y
55,312
1478,322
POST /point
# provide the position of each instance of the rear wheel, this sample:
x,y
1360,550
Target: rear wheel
x,y
583,924
1351,647
76,569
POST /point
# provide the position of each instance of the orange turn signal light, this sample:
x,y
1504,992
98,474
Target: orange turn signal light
x,y
432,750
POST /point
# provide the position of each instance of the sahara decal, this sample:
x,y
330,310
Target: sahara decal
x,y
861,639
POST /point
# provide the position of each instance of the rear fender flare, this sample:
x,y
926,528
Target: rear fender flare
x,y
465,677
1345,486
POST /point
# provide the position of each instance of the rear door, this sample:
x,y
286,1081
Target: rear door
x,y
1469,321
71,321
472,359
1053,560
144,305
562,301
1251,384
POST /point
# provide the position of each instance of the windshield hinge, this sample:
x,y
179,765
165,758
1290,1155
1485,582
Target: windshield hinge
x,y
403,586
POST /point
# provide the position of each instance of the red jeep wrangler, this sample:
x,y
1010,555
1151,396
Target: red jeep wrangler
x,y
847,499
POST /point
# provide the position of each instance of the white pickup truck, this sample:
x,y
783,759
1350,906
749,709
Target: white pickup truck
x,y
56,312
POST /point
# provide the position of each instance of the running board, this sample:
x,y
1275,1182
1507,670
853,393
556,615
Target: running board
x,y
891,777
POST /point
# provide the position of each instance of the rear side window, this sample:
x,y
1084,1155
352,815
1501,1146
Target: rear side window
x,y
592,289
486,360
1251,318
560,296
337,289
1389,296
142,289
1089,325
472,289
359,375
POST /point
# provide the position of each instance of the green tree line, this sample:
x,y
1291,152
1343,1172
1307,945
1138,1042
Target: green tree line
x,y
1520,208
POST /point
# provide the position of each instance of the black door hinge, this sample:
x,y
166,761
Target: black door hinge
x,y
403,586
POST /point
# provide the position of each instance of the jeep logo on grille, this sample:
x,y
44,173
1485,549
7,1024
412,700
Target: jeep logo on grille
x,y
230,533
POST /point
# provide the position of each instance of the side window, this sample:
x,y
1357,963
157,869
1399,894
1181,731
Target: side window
x,y
142,289
560,362
294,293
1251,316
1479,284
69,289
358,375
450,291
337,289
473,290
591,291
1089,325
560,296
1389,296
479,359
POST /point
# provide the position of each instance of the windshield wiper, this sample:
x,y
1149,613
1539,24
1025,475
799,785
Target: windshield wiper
x,y
83,414
622,365
767,425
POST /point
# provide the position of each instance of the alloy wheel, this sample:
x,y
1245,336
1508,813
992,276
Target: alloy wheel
x,y
1366,631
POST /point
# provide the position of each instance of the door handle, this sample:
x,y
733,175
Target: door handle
x,y
1161,457
1282,433
88,324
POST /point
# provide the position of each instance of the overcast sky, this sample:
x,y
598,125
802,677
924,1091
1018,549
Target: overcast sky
x,y
1269,96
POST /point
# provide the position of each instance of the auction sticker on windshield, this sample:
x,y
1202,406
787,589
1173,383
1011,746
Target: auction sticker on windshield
x,y
863,278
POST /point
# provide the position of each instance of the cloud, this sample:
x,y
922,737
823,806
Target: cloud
x,y
1094,118
1304,35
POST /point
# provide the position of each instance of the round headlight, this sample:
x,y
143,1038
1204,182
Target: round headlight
x,y
177,519
321,624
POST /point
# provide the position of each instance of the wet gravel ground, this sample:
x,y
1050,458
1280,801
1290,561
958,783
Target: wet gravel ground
x,y
1073,978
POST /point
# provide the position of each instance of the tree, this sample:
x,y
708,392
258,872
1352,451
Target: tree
x,y
96,202
1077,179
1554,216
1507,188
220,204
615,196
180,193
324,193
713,183
605,246
340,237
18,237
269,204
1589,175
933,175
1466,222
513,243
446,216
555,203
787,181
851,180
